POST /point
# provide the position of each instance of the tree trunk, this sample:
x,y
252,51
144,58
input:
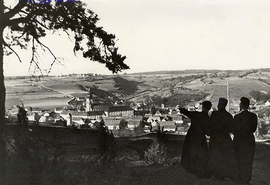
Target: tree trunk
x,y
2,98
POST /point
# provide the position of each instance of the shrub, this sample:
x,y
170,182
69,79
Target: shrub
x,y
156,154
123,124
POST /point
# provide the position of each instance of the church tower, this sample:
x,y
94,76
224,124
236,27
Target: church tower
x,y
89,101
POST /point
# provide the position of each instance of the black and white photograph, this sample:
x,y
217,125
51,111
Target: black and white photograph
x,y
134,92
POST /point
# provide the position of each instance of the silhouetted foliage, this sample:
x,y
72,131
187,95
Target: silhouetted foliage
x,y
123,124
96,91
30,20
153,110
177,99
256,95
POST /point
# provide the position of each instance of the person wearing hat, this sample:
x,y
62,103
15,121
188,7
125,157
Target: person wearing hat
x,y
221,163
245,124
220,125
194,152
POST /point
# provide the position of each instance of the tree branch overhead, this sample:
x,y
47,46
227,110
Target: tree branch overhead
x,y
33,18
30,20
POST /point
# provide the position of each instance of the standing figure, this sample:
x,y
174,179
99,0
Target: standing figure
x,y
221,162
245,124
22,116
36,118
194,152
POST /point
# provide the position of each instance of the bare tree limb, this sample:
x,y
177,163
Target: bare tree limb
x,y
33,57
19,58
16,21
15,10
55,59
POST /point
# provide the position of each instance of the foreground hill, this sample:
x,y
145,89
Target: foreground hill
x,y
71,156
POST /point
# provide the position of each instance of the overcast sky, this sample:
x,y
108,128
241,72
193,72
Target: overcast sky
x,y
175,35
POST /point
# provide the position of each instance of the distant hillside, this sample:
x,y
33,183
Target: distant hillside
x,y
174,72
137,87
188,71
238,87
126,86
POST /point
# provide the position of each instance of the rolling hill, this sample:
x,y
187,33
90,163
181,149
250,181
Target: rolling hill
x,y
52,92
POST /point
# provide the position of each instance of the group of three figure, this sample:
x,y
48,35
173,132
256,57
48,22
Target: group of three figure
x,y
222,157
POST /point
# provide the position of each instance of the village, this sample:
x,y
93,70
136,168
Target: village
x,y
124,102
82,113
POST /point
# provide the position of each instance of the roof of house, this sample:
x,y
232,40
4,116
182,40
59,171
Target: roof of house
x,y
95,113
76,119
134,122
136,118
77,113
100,107
109,122
148,115
167,123
153,118
178,117
119,108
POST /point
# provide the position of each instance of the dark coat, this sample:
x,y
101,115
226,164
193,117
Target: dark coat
x,y
194,152
219,128
245,124
222,161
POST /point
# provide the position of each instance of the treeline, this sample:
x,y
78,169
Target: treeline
x,y
177,99
96,91
259,95
127,86
16,77
187,71
186,79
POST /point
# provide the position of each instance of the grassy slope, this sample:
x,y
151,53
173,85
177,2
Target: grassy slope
x,y
238,87
78,161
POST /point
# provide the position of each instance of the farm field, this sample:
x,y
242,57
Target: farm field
x,y
56,91
238,87
35,95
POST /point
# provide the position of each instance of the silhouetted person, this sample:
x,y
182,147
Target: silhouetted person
x,y
221,162
22,117
36,118
245,124
194,153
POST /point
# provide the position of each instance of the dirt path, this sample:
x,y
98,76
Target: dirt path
x,y
61,92
40,85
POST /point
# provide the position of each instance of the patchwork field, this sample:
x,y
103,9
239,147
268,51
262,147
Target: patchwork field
x,y
52,92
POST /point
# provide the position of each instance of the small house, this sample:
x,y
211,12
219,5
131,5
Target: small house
x,y
79,116
267,103
112,123
134,122
153,119
167,126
